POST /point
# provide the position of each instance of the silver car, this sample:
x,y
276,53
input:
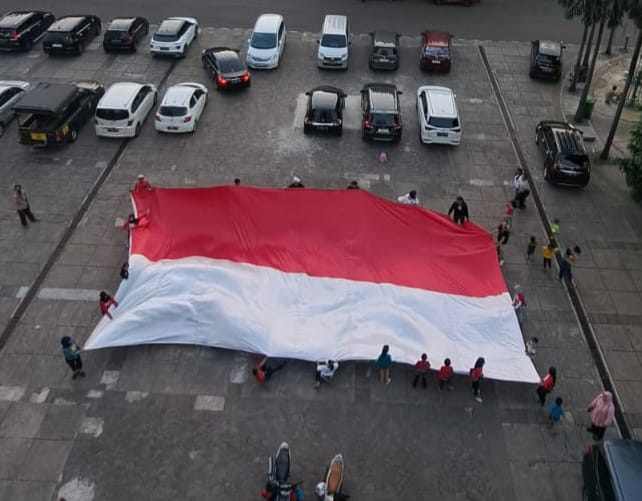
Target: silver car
x,y
10,92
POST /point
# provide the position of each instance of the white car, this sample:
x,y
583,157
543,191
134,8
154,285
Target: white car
x,y
10,92
123,109
181,108
174,36
439,120
267,42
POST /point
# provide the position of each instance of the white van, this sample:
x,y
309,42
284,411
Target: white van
x,y
334,45
266,45
439,120
123,109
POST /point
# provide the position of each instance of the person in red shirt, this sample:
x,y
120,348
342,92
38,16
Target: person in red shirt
x,y
445,375
546,385
476,375
263,372
106,301
142,185
421,369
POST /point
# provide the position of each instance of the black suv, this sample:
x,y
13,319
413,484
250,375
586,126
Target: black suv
x,y
325,110
565,159
124,33
70,34
611,471
381,112
19,30
384,51
546,60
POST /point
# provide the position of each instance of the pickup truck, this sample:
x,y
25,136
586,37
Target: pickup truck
x,y
54,113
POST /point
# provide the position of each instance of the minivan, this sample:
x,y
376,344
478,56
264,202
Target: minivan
x,y
123,109
267,43
334,45
439,120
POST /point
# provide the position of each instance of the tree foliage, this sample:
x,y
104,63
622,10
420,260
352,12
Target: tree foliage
x,y
632,167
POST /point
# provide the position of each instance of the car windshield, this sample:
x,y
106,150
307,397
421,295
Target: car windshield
x,y
383,119
337,41
173,111
263,40
443,123
324,115
230,65
57,37
546,59
436,51
109,114
385,51
160,37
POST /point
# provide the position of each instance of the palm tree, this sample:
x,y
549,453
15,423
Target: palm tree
x,y
635,14
602,9
583,9
615,19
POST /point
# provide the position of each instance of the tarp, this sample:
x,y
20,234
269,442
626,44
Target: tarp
x,y
314,274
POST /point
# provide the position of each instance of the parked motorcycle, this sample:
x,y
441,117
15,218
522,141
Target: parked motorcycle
x,y
278,487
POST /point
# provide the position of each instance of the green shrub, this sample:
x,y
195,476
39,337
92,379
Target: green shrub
x,y
632,167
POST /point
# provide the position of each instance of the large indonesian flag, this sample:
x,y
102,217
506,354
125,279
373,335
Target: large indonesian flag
x,y
314,274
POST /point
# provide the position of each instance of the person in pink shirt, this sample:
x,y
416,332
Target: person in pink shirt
x,y
602,412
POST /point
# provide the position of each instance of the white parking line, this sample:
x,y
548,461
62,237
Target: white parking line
x,y
61,294
110,379
209,403
11,393
92,426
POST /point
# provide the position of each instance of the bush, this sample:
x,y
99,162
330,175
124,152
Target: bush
x,y
632,167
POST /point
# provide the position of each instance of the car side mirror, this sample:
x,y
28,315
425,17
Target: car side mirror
x,y
307,93
399,92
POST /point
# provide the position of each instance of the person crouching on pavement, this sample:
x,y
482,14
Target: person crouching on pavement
x,y
325,372
422,367
71,353
263,371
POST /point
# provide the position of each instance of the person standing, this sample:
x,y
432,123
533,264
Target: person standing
x,y
530,250
546,385
519,304
503,233
548,251
325,372
422,367
476,375
555,230
71,353
409,198
106,302
520,185
296,183
565,270
237,181
459,210
602,412
21,202
353,186
383,363
555,412
124,271
445,375
142,185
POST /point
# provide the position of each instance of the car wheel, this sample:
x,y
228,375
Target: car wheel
x,y
306,130
137,130
73,135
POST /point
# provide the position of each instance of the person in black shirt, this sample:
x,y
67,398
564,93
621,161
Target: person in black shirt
x,y
459,210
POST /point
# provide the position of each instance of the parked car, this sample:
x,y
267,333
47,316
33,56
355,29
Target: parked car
x,y
181,108
546,60
467,3
225,67
10,92
174,36
611,471
71,34
335,42
439,120
381,112
384,51
20,30
124,33
565,159
51,114
436,51
123,109
325,110
267,43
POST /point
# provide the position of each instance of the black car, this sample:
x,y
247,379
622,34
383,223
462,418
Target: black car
x,y
546,60
384,51
124,33
565,159
325,110
54,113
225,67
70,34
612,471
381,112
19,30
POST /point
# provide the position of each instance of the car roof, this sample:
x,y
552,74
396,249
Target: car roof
x,y
334,24
383,97
384,39
16,18
268,23
121,23
550,48
625,461
223,53
178,95
441,100
325,96
568,139
170,26
437,38
46,98
66,23
119,95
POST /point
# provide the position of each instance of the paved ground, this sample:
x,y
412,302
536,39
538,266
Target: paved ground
x,y
159,422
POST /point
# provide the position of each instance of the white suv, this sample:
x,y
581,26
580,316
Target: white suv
x,y
334,45
123,109
438,116
267,42
173,36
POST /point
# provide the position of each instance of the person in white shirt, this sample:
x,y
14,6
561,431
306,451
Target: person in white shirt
x,y
325,371
409,198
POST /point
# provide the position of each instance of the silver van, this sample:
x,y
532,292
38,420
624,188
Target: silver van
x,y
334,44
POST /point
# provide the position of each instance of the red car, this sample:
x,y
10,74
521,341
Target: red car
x,y
436,51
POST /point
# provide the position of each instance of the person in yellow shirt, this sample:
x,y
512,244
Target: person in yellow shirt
x,y
548,251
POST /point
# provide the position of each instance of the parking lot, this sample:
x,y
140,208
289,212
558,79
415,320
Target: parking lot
x,y
138,425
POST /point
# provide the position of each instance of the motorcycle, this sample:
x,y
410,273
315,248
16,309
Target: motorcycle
x,y
278,474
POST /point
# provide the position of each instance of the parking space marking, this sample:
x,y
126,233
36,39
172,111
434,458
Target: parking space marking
x,y
95,394
39,397
92,426
61,294
110,379
135,396
238,374
77,489
11,393
209,403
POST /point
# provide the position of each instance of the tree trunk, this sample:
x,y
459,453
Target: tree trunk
x,y
573,86
609,44
620,105
589,44
579,114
